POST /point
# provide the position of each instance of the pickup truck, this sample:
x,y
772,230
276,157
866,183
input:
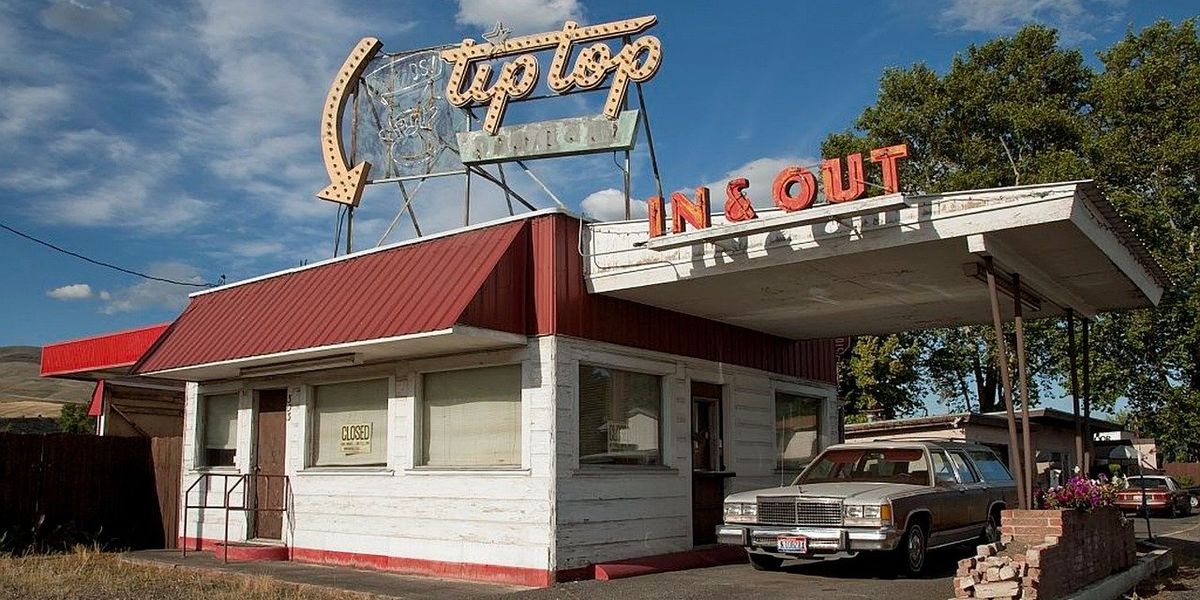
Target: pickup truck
x,y
899,498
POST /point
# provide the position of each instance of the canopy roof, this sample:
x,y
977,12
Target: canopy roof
x,y
886,264
107,356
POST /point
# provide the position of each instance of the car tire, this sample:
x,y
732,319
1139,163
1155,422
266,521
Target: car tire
x,y
1194,502
764,562
1173,510
910,554
991,531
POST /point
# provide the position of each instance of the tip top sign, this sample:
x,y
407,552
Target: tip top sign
x,y
794,189
637,61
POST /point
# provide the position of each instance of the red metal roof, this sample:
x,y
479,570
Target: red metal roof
x,y
108,352
412,288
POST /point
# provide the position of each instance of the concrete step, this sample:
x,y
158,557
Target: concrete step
x,y
252,551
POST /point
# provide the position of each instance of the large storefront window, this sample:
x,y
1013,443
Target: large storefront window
x,y
350,423
472,418
797,431
220,430
620,417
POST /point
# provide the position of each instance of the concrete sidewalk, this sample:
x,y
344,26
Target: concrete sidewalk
x,y
362,583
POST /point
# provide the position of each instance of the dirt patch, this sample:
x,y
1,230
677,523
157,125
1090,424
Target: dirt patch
x,y
92,575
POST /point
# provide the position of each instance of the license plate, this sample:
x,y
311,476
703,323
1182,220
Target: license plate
x,y
798,545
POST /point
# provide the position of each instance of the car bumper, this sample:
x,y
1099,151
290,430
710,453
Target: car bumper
x,y
821,540
1137,504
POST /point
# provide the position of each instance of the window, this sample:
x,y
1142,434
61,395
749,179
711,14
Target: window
x,y
220,430
893,465
989,466
350,423
797,430
965,472
943,473
472,418
620,417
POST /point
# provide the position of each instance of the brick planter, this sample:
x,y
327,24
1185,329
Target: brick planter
x,y
1046,554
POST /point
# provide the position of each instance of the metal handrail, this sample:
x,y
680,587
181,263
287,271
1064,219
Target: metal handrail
x,y
227,504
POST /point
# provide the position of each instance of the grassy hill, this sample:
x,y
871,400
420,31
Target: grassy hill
x,y
25,394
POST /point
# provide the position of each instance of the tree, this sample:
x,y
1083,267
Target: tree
x,y
1146,152
74,419
1011,111
879,377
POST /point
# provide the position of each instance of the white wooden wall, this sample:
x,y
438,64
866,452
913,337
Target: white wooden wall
x,y
550,513
628,512
494,517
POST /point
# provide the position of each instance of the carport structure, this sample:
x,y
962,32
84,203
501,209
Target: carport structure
x,y
893,263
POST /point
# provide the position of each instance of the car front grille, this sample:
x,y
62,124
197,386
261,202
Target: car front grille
x,y
793,511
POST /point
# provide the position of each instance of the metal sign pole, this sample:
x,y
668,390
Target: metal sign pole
x,y
1087,399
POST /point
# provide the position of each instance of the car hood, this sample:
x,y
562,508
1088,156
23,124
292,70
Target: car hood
x,y
866,493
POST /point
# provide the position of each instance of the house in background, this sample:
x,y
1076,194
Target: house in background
x,y
1052,434
124,405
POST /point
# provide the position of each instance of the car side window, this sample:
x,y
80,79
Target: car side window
x,y
989,466
943,472
965,471
1172,484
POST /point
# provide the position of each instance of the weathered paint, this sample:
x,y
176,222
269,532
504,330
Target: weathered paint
x,y
546,139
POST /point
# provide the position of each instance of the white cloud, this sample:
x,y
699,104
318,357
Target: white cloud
x,y
77,18
154,294
75,291
1073,18
761,173
609,205
26,107
521,16
257,248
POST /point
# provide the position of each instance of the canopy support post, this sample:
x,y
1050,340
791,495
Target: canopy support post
x,y
1071,353
1087,399
1022,374
1014,451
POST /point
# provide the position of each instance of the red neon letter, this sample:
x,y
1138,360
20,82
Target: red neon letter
x,y
781,189
887,158
737,205
695,214
831,176
656,217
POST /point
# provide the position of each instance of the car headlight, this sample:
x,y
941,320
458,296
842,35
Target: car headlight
x,y
741,512
874,515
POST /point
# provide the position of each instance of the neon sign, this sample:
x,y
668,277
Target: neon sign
x,y
794,189
636,61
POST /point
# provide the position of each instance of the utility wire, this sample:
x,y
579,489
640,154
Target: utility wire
x,y
101,263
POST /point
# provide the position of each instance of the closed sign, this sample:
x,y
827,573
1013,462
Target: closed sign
x,y
356,438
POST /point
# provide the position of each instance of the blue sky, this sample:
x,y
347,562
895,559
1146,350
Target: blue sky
x,y
180,139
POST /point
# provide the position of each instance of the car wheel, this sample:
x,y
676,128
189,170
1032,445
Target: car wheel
x,y
991,531
910,555
764,562
1173,511
1194,501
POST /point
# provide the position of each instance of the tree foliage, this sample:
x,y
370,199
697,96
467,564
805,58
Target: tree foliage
x,y
1022,110
74,419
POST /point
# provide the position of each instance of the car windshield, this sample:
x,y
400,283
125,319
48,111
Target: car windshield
x,y
890,465
1150,482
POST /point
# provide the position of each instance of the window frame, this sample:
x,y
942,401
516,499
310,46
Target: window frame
x,y
200,431
628,365
418,458
810,393
312,430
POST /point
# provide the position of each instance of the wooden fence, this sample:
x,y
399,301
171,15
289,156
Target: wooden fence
x,y
1178,470
60,489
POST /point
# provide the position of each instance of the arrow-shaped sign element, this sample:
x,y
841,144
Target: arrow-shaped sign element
x,y
346,183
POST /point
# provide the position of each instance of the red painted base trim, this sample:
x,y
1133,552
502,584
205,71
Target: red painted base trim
x,y
410,566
